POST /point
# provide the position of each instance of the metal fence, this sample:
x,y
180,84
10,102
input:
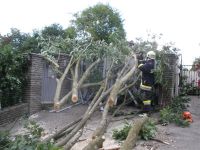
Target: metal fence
x,y
191,79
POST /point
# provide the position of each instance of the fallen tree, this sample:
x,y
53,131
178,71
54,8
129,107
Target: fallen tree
x,y
123,76
120,69
132,137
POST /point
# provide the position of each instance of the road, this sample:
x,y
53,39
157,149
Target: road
x,y
186,138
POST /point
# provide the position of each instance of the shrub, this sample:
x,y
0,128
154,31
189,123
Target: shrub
x,y
173,112
28,141
148,130
121,134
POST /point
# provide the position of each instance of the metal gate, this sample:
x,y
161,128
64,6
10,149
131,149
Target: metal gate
x,y
48,84
190,79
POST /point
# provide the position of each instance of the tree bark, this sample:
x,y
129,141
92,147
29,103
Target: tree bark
x,y
69,145
131,139
86,116
87,72
79,84
55,135
119,82
75,83
59,86
109,103
95,144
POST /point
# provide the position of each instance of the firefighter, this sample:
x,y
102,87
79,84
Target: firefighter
x,y
147,81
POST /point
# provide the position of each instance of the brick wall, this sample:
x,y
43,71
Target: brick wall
x,y
12,113
33,94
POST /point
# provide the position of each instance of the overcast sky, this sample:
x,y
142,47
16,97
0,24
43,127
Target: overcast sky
x,y
177,20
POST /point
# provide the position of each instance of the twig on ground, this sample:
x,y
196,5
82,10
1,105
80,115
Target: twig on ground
x,y
158,140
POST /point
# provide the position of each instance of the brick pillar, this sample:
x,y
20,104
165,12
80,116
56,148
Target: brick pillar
x,y
169,76
35,83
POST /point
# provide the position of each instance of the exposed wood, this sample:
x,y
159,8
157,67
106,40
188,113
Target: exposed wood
x,y
79,84
67,96
75,83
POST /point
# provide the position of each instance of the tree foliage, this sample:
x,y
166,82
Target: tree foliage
x,y
13,66
29,140
101,22
53,30
162,61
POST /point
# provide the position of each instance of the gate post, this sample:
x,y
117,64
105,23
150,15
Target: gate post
x,y
168,92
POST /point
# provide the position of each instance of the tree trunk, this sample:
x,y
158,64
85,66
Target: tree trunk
x,y
69,145
79,84
87,72
131,139
119,82
59,86
75,83
86,116
55,135
98,133
95,144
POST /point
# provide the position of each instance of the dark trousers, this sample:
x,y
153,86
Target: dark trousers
x,y
148,100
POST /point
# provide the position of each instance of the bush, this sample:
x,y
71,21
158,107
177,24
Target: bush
x,y
28,141
122,133
4,139
148,130
173,112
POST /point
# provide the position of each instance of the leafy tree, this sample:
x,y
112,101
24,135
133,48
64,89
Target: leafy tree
x,y
53,30
70,32
101,22
13,65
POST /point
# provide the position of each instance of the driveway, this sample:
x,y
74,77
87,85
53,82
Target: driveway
x,y
187,138
178,138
